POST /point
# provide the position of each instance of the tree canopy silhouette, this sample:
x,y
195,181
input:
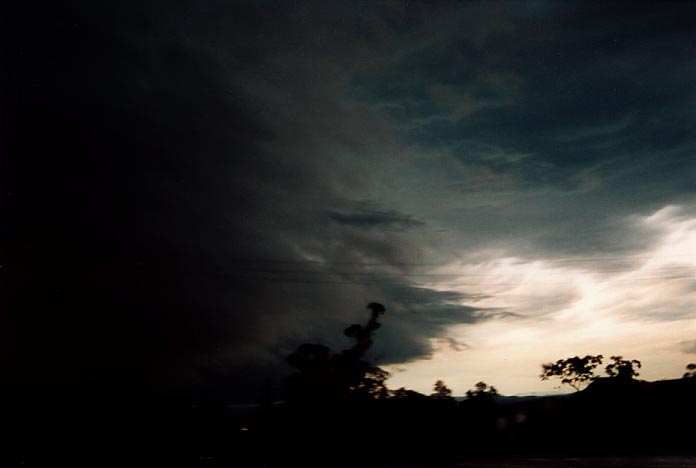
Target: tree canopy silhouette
x,y
324,376
622,368
575,371
482,391
441,391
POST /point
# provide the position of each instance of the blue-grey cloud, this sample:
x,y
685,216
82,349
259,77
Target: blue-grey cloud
x,y
588,119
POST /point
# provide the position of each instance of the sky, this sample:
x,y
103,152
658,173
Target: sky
x,y
194,189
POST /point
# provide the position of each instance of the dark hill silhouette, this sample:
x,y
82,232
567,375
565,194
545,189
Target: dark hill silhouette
x,y
611,416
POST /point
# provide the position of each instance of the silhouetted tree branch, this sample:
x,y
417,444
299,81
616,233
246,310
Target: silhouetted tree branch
x,y
622,368
323,376
575,371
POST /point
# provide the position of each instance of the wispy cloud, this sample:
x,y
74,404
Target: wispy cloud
x,y
641,305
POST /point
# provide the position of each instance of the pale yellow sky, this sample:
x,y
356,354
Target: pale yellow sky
x,y
646,311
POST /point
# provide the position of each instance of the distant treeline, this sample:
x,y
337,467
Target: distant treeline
x,y
340,402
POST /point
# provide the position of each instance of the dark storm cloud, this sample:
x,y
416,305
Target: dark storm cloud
x,y
121,164
182,187
423,313
585,106
155,148
367,217
436,307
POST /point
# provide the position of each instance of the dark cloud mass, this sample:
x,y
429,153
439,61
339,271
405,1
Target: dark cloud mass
x,y
367,217
181,179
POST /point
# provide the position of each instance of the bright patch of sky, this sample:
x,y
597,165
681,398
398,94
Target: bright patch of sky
x,y
644,309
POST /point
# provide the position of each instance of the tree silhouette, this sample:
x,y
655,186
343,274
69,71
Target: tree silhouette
x,y
575,371
481,412
322,376
690,371
372,385
441,391
482,391
622,368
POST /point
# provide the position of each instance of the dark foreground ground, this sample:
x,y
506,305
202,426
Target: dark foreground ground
x,y
635,424
637,462
540,462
